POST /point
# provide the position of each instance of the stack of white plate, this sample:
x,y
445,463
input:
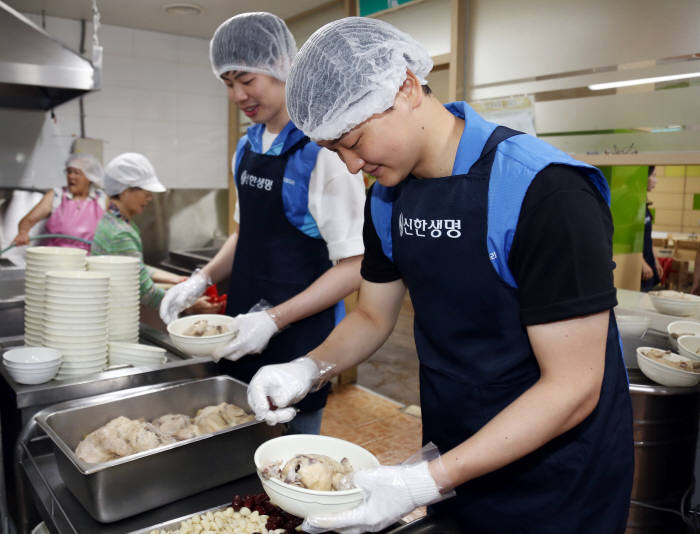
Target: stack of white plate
x,y
135,354
40,260
124,294
75,320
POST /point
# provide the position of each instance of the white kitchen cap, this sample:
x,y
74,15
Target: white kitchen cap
x,y
253,42
92,169
349,70
131,170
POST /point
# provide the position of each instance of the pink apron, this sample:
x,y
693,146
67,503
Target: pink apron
x,y
78,218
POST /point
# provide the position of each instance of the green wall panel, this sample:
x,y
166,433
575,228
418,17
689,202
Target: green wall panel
x,y
628,194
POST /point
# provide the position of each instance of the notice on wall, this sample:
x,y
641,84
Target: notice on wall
x,y
517,112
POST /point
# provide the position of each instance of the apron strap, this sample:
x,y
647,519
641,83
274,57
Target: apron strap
x,y
485,161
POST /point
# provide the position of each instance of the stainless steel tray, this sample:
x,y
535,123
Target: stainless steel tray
x,y
175,523
127,486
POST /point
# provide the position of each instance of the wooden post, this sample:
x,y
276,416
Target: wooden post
x,y
457,49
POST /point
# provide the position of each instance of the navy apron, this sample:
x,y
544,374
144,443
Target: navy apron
x,y
274,261
475,359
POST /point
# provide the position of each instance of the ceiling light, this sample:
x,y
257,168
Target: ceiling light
x,y
181,8
642,81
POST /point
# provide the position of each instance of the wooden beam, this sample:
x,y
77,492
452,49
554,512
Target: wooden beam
x,y
350,8
458,32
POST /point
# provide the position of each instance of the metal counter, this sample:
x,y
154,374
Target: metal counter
x,y
63,514
19,403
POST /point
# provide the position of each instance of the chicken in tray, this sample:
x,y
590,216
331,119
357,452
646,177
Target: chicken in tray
x,y
122,436
312,471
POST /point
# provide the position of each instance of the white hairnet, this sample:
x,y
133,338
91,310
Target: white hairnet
x,y
131,170
349,70
253,42
92,169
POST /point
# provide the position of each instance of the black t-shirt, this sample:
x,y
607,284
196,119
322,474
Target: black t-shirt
x,y
561,256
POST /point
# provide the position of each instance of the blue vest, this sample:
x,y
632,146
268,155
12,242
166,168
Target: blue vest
x,y
450,238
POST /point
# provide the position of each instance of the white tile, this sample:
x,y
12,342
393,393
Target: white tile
x,y
164,164
155,45
154,105
118,71
112,150
111,101
153,74
113,130
155,136
198,79
115,40
202,108
192,50
202,152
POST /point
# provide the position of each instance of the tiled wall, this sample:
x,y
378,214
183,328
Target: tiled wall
x,y
673,199
159,97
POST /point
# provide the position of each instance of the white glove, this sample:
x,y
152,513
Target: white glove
x,y
391,492
284,384
182,296
254,333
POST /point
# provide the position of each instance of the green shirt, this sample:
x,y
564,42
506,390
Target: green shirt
x,y
115,236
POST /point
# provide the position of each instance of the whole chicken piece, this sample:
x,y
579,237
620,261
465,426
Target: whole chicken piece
x,y
317,472
177,426
91,450
219,417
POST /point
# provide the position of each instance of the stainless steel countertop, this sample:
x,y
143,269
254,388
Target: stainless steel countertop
x,y
179,366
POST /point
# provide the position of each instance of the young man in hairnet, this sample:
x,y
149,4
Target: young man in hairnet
x,y
504,243
299,241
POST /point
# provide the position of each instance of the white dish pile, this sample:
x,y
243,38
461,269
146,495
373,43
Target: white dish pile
x,y
75,320
124,294
135,354
32,365
40,260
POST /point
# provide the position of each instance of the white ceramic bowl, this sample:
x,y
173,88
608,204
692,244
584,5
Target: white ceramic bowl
x,y
112,261
38,376
632,325
664,374
300,501
32,355
674,302
136,349
689,346
677,329
205,345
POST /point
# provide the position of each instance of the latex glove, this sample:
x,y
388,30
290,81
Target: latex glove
x,y
391,492
254,333
284,384
182,296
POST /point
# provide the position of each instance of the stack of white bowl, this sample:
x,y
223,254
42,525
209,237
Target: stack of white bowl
x,y
32,365
135,354
40,260
75,320
124,294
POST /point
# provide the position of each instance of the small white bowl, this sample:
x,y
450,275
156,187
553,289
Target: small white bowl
x,y
302,502
674,302
665,374
205,345
677,329
632,325
23,376
32,355
689,346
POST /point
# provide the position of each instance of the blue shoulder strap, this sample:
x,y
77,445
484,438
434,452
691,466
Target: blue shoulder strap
x,y
381,206
516,161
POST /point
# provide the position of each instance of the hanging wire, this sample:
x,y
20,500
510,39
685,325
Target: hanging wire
x,y
96,48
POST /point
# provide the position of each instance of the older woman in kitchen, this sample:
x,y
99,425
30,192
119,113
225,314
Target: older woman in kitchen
x,y
130,181
72,210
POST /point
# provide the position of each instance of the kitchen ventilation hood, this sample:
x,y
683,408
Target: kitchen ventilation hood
x,y
36,71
